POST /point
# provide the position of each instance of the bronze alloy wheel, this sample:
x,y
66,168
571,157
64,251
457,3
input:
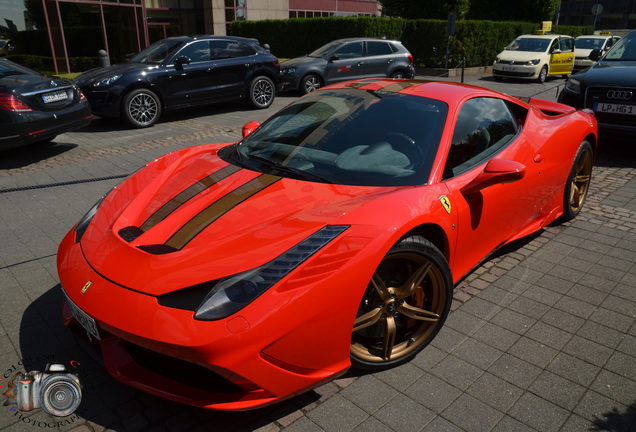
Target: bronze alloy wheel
x,y
578,181
404,306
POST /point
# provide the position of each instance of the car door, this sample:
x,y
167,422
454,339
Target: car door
x,y
233,61
190,82
347,62
561,56
379,59
486,131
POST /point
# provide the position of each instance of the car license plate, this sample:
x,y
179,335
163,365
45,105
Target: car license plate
x,y
54,96
82,317
615,108
509,69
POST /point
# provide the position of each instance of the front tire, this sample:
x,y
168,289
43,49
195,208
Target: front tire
x,y
261,92
578,182
142,108
404,306
310,83
543,75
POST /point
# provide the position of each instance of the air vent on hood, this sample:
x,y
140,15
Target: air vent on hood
x,y
130,233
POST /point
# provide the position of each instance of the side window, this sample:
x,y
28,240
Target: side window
x,y
196,51
378,48
567,45
350,50
483,127
227,49
554,45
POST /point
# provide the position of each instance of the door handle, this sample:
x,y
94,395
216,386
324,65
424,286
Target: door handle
x,y
389,61
538,158
360,63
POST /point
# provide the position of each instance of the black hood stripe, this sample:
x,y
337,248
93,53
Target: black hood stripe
x,y
189,193
217,209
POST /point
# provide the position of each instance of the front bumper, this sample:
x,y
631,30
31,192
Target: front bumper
x,y
622,124
516,71
260,355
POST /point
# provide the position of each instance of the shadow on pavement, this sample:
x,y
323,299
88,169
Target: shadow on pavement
x,y
105,401
24,156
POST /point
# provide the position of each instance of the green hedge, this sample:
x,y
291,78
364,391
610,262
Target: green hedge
x,y
45,63
479,41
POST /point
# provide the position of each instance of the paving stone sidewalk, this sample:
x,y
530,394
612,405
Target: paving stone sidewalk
x,y
541,337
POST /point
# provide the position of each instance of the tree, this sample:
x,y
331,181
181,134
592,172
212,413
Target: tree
x,y
520,10
427,9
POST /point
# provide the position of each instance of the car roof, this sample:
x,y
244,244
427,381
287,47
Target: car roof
x,y
543,36
353,39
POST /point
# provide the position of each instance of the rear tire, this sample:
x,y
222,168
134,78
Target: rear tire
x,y
403,307
578,182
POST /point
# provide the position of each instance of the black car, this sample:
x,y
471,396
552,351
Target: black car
x,y
608,87
347,59
181,72
37,108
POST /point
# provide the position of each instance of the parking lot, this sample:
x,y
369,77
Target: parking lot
x,y
541,337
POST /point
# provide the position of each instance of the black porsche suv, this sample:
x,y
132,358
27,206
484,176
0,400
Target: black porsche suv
x,y
181,72
608,87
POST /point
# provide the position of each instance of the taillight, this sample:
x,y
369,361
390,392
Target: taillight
x,y
81,95
9,102
410,59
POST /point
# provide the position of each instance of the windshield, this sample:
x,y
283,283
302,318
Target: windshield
x,y
352,137
529,44
320,52
589,43
157,52
623,50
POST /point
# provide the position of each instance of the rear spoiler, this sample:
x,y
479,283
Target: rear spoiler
x,y
546,106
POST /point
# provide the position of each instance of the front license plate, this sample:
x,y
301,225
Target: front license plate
x,y
82,317
54,96
509,69
615,108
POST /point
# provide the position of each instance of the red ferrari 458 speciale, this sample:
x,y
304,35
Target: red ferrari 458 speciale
x,y
232,276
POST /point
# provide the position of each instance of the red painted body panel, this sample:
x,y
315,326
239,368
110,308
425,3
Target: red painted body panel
x,y
296,335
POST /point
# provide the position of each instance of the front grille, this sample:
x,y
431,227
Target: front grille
x,y
594,95
182,371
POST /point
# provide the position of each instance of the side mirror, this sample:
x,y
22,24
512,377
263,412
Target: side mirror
x,y
595,55
556,51
181,60
334,58
496,171
250,127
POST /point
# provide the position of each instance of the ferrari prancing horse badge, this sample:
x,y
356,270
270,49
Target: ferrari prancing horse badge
x,y
446,203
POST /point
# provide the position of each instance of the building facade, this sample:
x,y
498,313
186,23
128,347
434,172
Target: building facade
x,y
602,14
80,28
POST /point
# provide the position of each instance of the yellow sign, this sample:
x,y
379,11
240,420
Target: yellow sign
x,y
446,203
546,26
87,286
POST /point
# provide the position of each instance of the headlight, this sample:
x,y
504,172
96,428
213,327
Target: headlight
x,y
81,226
573,86
497,60
533,62
235,292
107,81
289,71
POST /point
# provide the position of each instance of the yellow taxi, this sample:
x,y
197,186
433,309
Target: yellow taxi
x,y
535,57
584,45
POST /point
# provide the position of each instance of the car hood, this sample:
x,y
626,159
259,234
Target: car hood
x,y
301,61
610,74
32,83
582,52
97,74
199,219
520,55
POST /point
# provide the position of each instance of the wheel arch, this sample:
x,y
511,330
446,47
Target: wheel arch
x,y
433,233
140,85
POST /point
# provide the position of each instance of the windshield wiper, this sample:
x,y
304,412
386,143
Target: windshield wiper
x,y
295,172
